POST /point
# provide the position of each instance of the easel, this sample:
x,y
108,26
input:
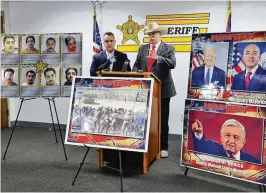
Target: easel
x,y
49,99
119,170
261,186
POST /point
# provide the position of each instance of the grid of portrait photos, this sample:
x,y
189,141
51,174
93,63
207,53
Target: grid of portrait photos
x,y
40,65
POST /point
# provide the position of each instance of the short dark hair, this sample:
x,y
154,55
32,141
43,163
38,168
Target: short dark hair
x,y
68,38
50,39
108,34
32,37
9,70
71,69
49,69
31,71
8,37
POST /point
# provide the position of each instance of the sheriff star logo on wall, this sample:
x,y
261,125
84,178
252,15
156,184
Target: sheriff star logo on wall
x,y
130,30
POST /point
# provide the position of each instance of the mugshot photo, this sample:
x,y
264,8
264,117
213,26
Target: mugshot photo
x,y
9,76
51,76
10,44
225,135
249,66
68,75
50,44
29,76
30,44
209,64
71,43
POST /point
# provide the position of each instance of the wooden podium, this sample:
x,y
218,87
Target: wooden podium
x,y
155,122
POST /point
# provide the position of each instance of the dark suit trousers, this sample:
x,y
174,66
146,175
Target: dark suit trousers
x,y
165,103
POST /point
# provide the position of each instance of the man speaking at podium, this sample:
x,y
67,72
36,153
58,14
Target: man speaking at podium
x,y
110,58
159,58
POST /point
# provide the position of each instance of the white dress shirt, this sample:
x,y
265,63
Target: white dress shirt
x,y
110,55
156,46
211,72
252,71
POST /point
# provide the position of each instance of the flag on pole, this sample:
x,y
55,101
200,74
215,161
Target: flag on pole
x,y
229,17
97,43
229,78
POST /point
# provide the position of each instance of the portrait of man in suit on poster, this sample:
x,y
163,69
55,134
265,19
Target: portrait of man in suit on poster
x,y
253,78
209,73
233,138
114,60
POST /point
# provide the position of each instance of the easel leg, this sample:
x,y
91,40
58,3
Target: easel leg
x,y
81,164
186,171
260,188
264,188
22,100
59,128
120,170
52,120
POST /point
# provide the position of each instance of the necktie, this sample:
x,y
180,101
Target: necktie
x,y
207,78
232,157
247,79
150,61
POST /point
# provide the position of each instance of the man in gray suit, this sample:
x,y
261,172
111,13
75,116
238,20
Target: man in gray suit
x,y
159,58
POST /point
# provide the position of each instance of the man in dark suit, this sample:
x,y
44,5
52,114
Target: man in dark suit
x,y
204,75
116,59
233,138
159,58
254,77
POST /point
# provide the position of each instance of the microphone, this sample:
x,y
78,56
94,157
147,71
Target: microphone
x,y
126,63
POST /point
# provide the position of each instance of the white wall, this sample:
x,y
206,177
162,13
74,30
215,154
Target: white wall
x,y
44,17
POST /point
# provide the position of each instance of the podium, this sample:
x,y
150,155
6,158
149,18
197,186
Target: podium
x,y
154,146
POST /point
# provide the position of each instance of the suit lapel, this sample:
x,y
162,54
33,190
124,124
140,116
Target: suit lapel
x,y
160,49
214,75
116,58
146,54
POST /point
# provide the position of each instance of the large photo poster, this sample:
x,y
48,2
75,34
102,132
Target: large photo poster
x,y
225,139
111,113
32,64
228,67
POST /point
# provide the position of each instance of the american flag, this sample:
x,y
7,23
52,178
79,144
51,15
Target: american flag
x,y
197,60
238,65
97,43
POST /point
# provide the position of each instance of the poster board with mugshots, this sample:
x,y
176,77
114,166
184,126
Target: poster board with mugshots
x,y
225,139
111,113
40,65
228,67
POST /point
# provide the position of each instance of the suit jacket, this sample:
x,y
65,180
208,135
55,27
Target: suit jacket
x,y
218,77
257,82
214,148
160,68
101,58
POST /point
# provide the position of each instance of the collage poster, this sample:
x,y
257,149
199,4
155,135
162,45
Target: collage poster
x,y
225,139
40,65
228,67
111,113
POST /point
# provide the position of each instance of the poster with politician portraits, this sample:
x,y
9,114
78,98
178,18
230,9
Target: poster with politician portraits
x,y
67,77
71,48
51,49
50,82
29,82
228,67
30,49
10,49
33,55
225,139
9,81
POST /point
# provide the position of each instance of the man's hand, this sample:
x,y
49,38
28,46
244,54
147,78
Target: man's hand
x,y
197,127
152,55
